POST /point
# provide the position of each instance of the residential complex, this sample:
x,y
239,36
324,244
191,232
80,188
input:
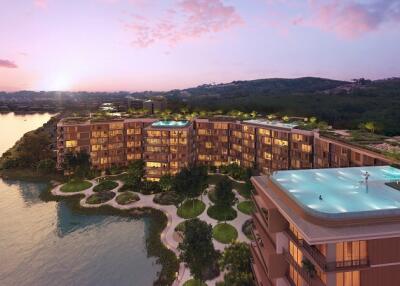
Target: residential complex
x,y
167,146
333,227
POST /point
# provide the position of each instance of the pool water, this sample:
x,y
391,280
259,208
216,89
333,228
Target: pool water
x,y
342,190
170,123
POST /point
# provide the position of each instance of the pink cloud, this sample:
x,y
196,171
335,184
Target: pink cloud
x,y
187,19
351,19
40,3
7,64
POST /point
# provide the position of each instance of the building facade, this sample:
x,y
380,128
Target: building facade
x,y
308,232
167,146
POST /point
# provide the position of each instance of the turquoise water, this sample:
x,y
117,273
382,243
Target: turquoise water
x,y
343,190
50,244
170,123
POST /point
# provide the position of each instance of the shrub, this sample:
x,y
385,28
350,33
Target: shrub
x,y
127,198
167,198
105,186
100,198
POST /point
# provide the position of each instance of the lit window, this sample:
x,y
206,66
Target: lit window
x,y
71,143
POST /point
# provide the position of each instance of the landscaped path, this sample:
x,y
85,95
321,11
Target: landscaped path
x,y
168,235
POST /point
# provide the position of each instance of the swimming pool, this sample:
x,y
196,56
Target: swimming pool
x,y
170,123
341,192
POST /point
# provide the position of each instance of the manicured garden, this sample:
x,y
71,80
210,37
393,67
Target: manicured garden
x,y
224,233
194,282
105,186
75,186
191,209
221,212
246,207
100,198
127,198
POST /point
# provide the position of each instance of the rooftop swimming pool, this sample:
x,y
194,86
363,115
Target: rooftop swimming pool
x,y
343,191
171,123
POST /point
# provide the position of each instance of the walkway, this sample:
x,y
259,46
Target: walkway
x,y
168,234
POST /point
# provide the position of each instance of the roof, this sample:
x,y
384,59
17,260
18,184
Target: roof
x,y
318,234
271,123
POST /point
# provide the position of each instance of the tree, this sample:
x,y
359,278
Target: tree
x,y
190,182
135,174
46,166
236,262
166,183
224,195
80,160
197,248
370,126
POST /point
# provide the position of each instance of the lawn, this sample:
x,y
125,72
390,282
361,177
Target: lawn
x,y
221,213
127,198
100,198
193,282
105,186
224,233
246,207
191,209
75,186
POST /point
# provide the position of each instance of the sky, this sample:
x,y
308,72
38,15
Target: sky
x,y
136,45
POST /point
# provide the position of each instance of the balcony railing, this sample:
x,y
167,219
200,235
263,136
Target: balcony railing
x,y
320,259
311,280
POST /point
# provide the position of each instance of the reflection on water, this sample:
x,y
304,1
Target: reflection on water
x,y
47,243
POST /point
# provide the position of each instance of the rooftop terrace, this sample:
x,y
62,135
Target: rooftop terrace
x,y
171,124
273,123
342,192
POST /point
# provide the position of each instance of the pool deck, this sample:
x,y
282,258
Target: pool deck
x,y
319,233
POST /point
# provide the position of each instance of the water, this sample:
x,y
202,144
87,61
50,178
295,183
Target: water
x,y
50,244
343,190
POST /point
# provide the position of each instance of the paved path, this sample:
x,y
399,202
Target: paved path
x,y
168,235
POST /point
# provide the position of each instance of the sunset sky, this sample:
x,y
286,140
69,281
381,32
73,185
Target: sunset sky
x,y
135,45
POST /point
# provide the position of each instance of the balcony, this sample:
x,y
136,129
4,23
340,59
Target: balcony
x,y
319,259
274,263
311,280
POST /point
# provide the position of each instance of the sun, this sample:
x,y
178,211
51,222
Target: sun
x,y
60,83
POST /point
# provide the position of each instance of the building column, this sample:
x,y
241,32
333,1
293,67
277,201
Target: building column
x,y
331,257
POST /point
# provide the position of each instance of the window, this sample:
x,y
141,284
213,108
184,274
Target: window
x,y
348,278
237,134
280,142
267,156
208,145
153,133
351,252
264,132
114,126
297,137
134,156
130,144
266,140
203,132
220,125
306,148
137,131
103,160
71,143
153,164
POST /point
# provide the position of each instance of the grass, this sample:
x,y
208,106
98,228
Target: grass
x,y
224,233
211,196
221,213
127,198
167,198
100,198
194,282
191,209
105,186
74,186
240,187
246,207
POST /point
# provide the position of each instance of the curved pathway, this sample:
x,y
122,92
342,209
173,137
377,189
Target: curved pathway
x,y
168,234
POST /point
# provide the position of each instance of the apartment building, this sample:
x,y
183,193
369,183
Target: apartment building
x,y
167,146
327,227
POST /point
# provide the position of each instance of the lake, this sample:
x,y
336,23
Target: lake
x,y
47,243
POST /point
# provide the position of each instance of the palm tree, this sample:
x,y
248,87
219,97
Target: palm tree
x,y
271,116
370,126
285,118
254,114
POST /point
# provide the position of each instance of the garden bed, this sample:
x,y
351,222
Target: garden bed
x,y
100,198
246,207
105,186
191,209
224,233
221,213
127,198
74,186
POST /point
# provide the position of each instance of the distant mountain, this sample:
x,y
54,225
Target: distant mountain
x,y
341,103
